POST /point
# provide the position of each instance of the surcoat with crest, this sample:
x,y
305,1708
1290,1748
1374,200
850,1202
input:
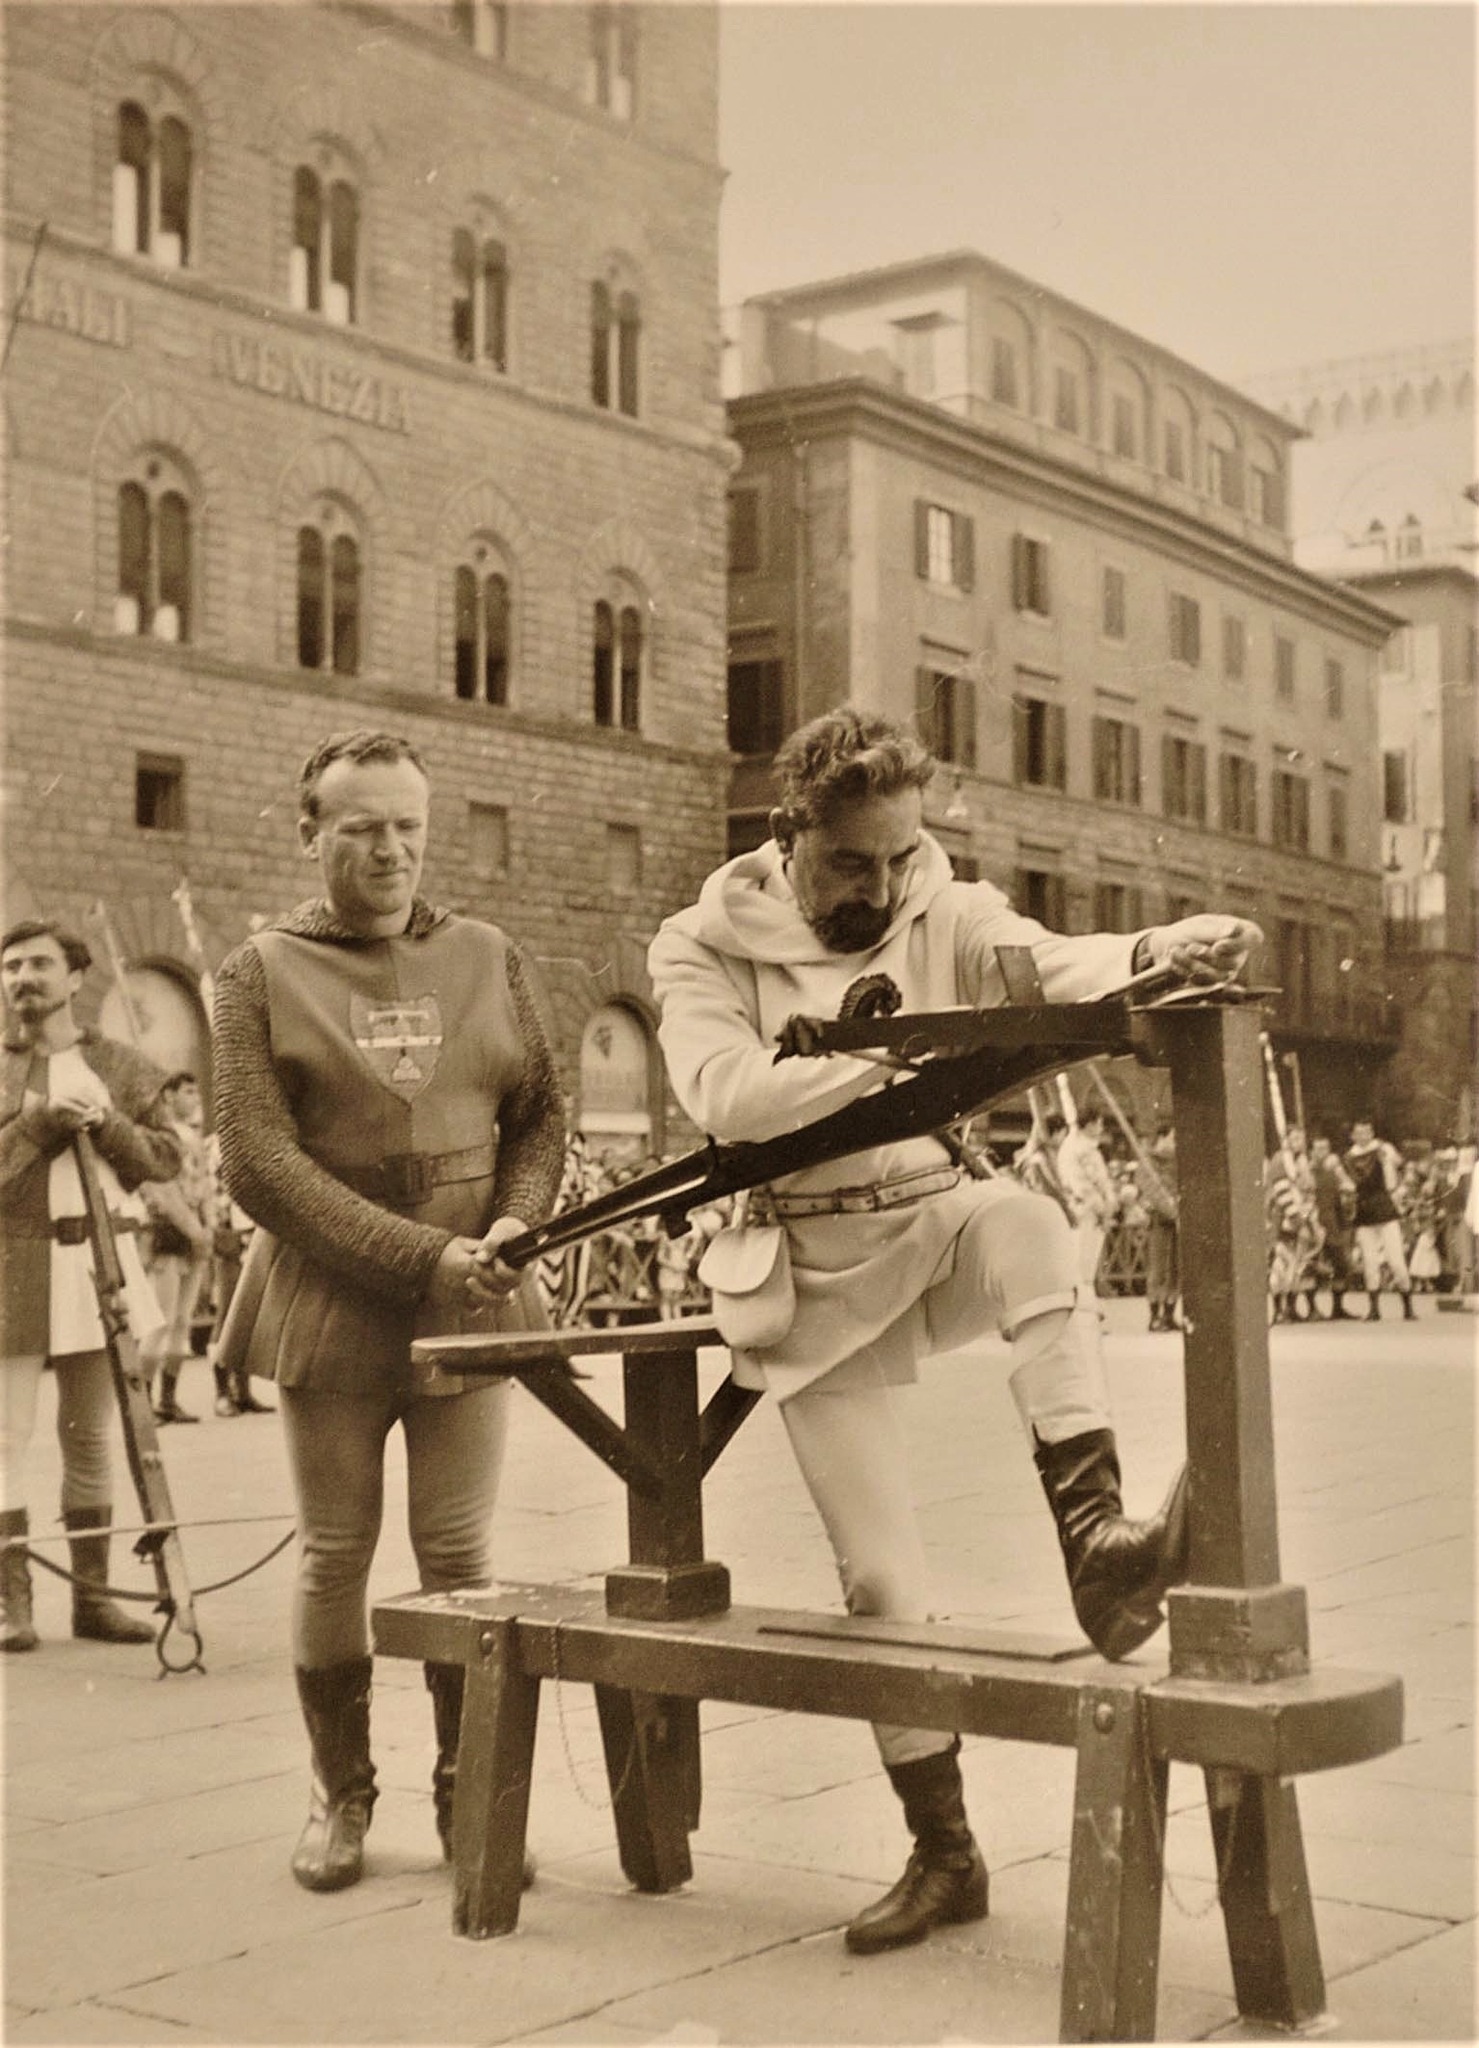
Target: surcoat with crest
x,y
375,1097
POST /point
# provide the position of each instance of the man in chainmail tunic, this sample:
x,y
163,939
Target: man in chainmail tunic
x,y
388,1115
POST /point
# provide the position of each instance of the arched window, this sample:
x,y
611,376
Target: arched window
x,y
611,61
151,187
617,665
330,593
1225,480
483,26
479,299
323,265
482,616
154,556
616,334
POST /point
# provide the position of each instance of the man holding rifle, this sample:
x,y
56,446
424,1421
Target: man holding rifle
x,y
58,1080
894,1253
388,1113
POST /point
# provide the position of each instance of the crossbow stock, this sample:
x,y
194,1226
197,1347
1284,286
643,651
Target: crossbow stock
x,y
942,1067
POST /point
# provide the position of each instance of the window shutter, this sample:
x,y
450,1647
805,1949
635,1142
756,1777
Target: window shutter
x,y
1198,756
965,720
1044,581
1132,764
921,537
1019,740
1019,572
1172,798
963,540
924,705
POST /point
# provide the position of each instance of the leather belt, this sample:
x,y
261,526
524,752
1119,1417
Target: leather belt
x,y
858,1201
405,1178
73,1229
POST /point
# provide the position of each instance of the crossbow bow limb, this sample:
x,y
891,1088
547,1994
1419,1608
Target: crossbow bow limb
x,y
942,1068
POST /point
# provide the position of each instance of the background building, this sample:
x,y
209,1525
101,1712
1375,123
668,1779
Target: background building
x,y
1383,501
366,373
1066,553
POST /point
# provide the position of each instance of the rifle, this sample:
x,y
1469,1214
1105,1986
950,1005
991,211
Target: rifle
x,y
945,1066
160,1542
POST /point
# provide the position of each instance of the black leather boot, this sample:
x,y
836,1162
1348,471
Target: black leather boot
x,y
445,1683
1117,1569
246,1401
1373,1310
336,1711
167,1408
95,1617
1409,1313
225,1395
17,1630
945,1881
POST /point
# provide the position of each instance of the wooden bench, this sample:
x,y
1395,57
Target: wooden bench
x,y
1237,1696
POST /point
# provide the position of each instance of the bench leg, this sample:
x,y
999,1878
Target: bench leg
x,y
1111,1951
490,1803
1266,1904
651,1745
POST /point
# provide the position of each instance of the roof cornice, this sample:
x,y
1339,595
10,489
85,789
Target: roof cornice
x,y
858,405
925,271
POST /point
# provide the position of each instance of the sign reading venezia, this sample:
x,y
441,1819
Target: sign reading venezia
x,y
310,379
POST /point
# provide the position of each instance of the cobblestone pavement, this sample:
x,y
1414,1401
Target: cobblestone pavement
x,y
148,1822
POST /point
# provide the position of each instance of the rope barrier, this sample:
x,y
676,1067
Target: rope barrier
x,y
164,1606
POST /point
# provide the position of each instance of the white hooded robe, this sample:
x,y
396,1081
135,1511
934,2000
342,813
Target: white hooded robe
x,y
730,970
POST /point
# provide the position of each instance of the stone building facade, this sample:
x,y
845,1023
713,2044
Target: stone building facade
x,y
367,374
1383,500
1066,554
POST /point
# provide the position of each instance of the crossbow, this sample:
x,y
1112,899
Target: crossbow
x,y
942,1068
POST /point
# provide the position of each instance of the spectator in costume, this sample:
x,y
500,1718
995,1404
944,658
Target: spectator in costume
x,y
58,1079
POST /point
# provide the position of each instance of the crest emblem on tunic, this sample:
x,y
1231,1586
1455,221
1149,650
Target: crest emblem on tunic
x,y
402,1041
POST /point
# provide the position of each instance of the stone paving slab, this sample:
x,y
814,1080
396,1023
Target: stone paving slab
x,y
967,1984
149,1925
403,1977
1193,1938
1446,1761
197,1925
80,2026
115,1776
1415,1995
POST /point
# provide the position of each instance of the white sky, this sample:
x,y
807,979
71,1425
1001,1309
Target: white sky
x,y
1253,186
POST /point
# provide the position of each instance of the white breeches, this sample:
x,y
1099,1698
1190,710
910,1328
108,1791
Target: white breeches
x,y
845,1431
1378,1242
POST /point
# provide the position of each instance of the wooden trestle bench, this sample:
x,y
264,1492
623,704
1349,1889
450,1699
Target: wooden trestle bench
x,y
1236,1693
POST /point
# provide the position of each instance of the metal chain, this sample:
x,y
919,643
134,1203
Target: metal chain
x,y
1158,1828
595,1805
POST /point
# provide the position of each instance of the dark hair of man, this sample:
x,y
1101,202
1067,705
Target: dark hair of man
x,y
839,758
1054,1124
361,746
74,950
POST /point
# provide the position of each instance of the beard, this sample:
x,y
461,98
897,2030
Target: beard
x,y
852,927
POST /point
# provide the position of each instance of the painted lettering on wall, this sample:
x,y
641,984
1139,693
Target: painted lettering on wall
x,y
80,309
304,377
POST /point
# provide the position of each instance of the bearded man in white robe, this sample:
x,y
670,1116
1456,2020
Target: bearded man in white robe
x,y
894,1252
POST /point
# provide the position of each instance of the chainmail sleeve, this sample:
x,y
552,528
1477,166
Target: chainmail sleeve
x,y
531,1117
273,1178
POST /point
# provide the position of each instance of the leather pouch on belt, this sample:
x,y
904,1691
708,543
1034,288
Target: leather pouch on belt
x,y
747,1269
